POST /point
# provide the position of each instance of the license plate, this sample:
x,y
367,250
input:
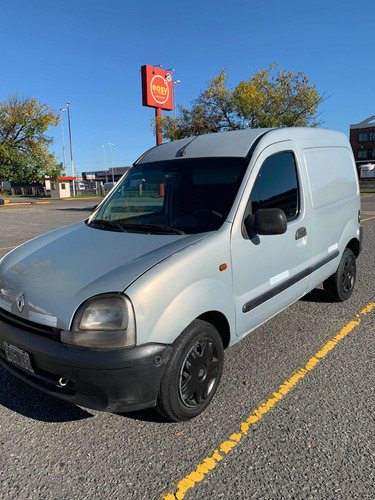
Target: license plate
x,y
18,357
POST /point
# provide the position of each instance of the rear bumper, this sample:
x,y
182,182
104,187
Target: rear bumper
x,y
107,380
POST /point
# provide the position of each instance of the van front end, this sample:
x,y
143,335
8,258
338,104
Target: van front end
x,y
115,380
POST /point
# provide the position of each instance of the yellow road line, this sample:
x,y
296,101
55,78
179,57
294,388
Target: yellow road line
x,y
209,463
7,203
363,220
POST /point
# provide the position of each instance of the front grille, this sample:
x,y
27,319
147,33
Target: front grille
x,y
29,326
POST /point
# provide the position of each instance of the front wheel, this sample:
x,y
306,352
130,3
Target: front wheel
x,y
193,372
340,285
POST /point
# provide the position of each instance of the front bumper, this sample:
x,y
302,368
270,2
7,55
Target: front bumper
x,y
108,380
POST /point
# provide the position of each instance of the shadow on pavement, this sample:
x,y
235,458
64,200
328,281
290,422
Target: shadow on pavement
x,y
29,402
316,295
148,415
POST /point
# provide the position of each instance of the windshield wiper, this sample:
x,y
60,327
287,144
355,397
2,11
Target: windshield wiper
x,y
153,228
112,225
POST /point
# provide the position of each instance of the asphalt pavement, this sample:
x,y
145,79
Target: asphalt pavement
x,y
316,441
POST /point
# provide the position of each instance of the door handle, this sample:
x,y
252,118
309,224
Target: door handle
x,y
301,233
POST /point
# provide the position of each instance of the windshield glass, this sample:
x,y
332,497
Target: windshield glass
x,y
175,196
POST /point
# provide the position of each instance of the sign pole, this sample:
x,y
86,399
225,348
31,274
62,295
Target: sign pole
x,y
159,140
159,136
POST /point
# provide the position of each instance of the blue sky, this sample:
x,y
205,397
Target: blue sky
x,y
91,52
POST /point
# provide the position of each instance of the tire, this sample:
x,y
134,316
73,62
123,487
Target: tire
x,y
192,374
339,287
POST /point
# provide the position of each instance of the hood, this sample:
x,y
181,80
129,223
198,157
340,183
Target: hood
x,y
54,273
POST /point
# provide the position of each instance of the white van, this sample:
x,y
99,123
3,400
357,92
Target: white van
x,y
235,227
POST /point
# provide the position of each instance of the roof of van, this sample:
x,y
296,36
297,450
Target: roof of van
x,y
238,143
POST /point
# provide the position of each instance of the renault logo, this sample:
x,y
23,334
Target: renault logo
x,y
20,303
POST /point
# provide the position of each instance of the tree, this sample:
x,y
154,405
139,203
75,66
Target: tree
x,y
270,98
24,145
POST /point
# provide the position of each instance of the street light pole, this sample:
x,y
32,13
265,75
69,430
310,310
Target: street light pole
x,y
71,149
105,165
63,141
174,97
113,177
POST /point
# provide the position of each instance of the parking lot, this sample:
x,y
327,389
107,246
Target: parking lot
x,y
280,426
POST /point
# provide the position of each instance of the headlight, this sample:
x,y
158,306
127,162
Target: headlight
x,y
103,322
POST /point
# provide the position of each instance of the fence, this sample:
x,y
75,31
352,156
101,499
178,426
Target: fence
x,y
90,190
367,186
28,191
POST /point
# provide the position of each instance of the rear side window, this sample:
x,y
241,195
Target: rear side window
x,y
277,186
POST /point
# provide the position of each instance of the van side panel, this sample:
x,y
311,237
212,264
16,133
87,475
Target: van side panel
x,y
335,204
331,176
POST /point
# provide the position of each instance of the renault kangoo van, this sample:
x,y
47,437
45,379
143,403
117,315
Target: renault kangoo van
x,y
230,229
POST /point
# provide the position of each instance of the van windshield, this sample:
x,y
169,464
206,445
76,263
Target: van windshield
x,y
175,196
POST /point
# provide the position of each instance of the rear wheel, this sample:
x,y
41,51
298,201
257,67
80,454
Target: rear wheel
x,y
193,372
340,285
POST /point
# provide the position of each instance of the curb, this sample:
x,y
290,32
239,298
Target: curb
x,y
8,202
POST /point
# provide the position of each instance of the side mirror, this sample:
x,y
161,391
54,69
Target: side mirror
x,y
266,221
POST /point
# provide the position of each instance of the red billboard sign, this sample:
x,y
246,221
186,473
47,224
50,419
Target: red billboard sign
x,y
157,88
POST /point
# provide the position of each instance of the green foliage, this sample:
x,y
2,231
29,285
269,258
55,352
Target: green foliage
x,y
277,100
270,98
24,145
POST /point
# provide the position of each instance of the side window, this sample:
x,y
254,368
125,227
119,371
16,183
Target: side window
x,y
277,186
